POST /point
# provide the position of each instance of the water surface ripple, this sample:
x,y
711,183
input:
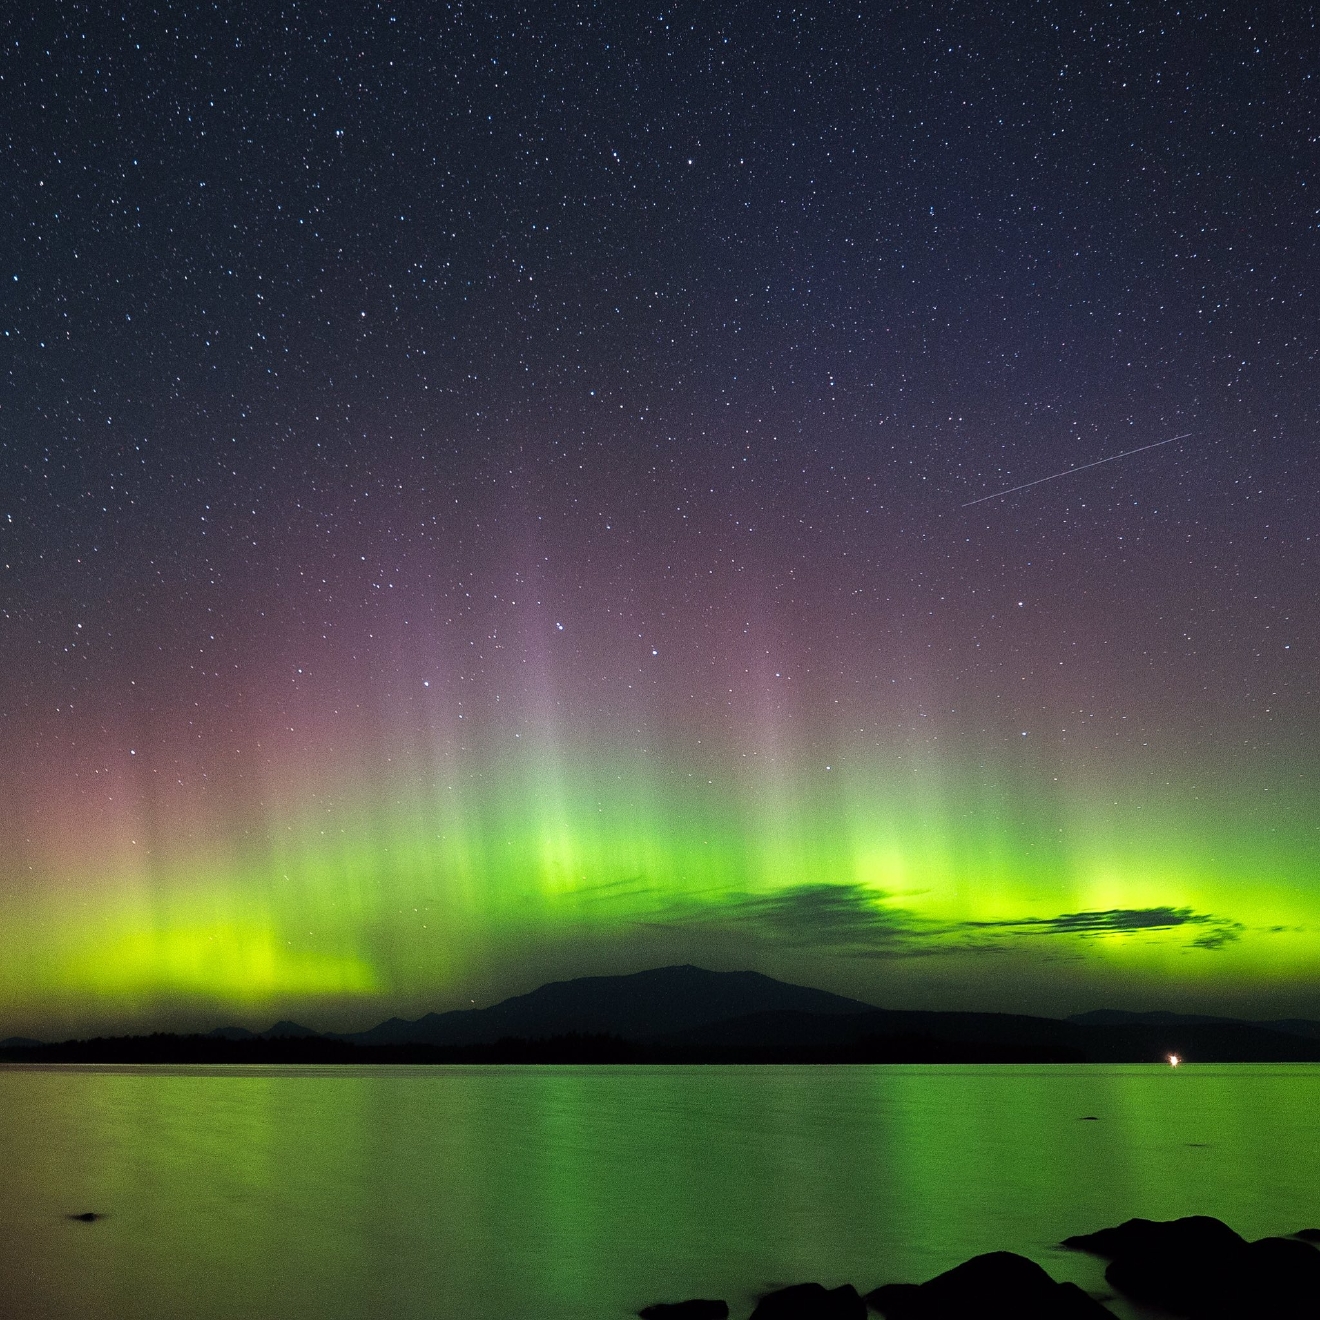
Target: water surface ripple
x,y
557,1192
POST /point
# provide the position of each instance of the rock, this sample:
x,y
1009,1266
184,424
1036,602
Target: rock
x,y
87,1217
1178,1264
811,1301
1195,1233
1308,1234
696,1308
1199,1267
1283,1275
996,1286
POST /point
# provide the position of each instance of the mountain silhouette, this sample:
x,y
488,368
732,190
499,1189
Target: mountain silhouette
x,y
280,1031
688,1014
660,1002
1121,1017
283,1030
919,1035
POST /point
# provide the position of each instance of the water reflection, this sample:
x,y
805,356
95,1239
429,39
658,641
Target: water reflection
x,y
557,1191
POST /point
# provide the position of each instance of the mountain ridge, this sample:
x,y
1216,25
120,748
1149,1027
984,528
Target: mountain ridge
x,y
1118,1017
637,1006
683,1012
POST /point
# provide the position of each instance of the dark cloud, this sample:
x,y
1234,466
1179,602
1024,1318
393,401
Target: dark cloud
x,y
848,918
1117,921
858,921
1227,933
841,916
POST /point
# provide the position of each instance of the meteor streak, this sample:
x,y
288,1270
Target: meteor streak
x,y
1067,472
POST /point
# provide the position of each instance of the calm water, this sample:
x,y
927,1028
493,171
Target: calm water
x,y
284,1193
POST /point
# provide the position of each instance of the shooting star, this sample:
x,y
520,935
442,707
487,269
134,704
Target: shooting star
x,y
1067,472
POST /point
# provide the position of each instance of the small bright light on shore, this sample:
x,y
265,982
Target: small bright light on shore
x,y
1174,1060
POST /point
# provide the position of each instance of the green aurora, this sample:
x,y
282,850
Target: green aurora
x,y
498,494
926,880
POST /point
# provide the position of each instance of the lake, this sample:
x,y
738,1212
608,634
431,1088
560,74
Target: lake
x,y
249,1193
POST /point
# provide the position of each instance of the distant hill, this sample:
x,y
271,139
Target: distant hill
x,y
688,1014
280,1031
1119,1017
642,1006
1295,1027
882,1035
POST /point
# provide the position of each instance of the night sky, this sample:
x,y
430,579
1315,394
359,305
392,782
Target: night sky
x,y
484,498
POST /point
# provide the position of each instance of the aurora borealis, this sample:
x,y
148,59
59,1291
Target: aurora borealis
x,y
482,499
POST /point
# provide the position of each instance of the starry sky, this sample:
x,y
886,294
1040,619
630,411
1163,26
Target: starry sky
x,y
495,493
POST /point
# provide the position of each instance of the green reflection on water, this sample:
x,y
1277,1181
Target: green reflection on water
x,y
284,1193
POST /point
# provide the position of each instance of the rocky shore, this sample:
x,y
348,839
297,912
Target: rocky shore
x,y
1197,1268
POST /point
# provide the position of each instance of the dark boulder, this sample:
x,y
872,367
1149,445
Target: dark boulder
x,y
1199,1267
1196,1233
811,1301
1282,1276
87,1217
996,1286
696,1308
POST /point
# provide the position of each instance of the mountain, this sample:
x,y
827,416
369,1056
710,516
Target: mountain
x,y
642,1006
1118,1017
19,1043
1295,1027
688,1014
884,1035
285,1030
280,1031
798,1031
